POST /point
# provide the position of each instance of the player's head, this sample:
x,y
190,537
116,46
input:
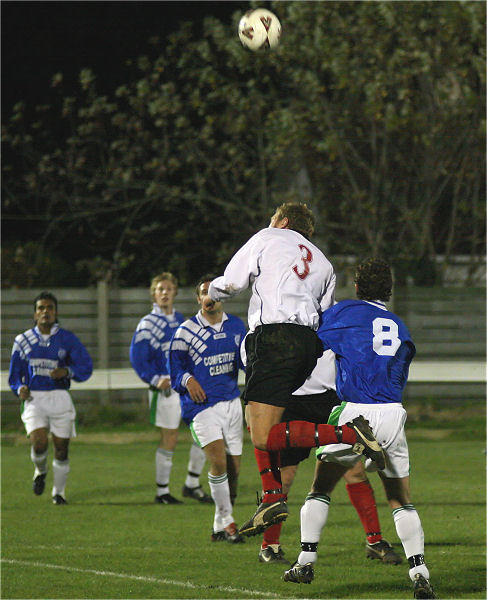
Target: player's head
x,y
208,306
45,308
207,278
166,276
298,216
373,280
163,290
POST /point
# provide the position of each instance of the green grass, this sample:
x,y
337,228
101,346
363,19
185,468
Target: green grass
x,y
112,541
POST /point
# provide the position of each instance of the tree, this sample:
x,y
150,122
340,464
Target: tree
x,y
379,106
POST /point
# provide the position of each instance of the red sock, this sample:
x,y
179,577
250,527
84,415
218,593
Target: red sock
x,y
301,434
362,497
270,474
272,535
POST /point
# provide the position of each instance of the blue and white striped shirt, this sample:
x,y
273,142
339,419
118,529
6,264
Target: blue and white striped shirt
x,y
212,355
150,344
35,355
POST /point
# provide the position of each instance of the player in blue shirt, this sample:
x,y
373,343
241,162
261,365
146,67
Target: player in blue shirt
x,y
204,360
373,352
148,356
44,360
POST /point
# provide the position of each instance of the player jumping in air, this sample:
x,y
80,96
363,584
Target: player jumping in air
x,y
292,283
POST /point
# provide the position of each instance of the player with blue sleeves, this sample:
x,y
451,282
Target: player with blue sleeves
x,y
373,351
373,348
148,355
43,362
204,361
214,361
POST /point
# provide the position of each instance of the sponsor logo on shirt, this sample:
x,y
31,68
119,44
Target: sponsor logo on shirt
x,y
42,366
220,363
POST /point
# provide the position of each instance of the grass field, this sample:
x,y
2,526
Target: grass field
x,y
112,541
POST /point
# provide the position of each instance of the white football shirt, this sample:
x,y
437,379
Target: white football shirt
x,y
292,280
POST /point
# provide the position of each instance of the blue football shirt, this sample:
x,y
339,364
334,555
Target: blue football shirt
x,y
373,351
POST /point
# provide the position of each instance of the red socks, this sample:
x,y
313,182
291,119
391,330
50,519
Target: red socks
x,y
270,474
272,535
362,497
301,434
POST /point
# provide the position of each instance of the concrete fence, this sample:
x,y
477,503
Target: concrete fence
x,y
447,324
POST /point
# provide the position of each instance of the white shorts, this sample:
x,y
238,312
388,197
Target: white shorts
x,y
223,421
165,411
53,410
387,422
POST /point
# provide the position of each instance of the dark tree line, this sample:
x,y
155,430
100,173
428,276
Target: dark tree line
x,y
373,113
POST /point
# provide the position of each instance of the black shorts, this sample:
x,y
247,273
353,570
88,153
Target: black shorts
x,y
280,357
315,408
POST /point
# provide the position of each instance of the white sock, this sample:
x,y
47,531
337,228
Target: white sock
x,y
410,532
163,470
220,492
217,524
314,514
195,466
40,462
60,470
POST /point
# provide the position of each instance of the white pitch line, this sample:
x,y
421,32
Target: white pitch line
x,y
184,584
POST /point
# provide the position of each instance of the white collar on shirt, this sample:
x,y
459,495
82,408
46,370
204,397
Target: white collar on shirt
x,y
204,323
158,311
46,336
377,303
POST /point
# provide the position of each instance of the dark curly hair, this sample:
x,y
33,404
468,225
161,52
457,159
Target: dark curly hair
x,y
373,279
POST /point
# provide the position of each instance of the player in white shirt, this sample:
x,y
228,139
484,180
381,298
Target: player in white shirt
x,y
292,284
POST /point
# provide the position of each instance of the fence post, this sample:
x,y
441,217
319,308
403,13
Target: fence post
x,y
102,333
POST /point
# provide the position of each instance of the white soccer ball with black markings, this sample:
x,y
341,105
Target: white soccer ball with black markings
x,y
259,29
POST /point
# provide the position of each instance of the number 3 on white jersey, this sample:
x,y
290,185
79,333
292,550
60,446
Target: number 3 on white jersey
x,y
307,257
386,336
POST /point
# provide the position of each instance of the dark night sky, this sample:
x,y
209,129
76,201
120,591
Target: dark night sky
x,y
43,38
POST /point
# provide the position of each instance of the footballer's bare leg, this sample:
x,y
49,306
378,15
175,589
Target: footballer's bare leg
x,y
260,418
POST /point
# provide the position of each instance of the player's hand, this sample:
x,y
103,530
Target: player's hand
x,y
164,383
59,373
195,390
24,393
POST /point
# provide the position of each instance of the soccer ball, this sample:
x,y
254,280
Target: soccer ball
x,y
259,29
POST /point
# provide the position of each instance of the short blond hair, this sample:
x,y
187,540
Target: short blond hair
x,y
300,217
166,276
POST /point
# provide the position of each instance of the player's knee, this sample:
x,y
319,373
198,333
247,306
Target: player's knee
x,y
259,442
39,447
61,454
